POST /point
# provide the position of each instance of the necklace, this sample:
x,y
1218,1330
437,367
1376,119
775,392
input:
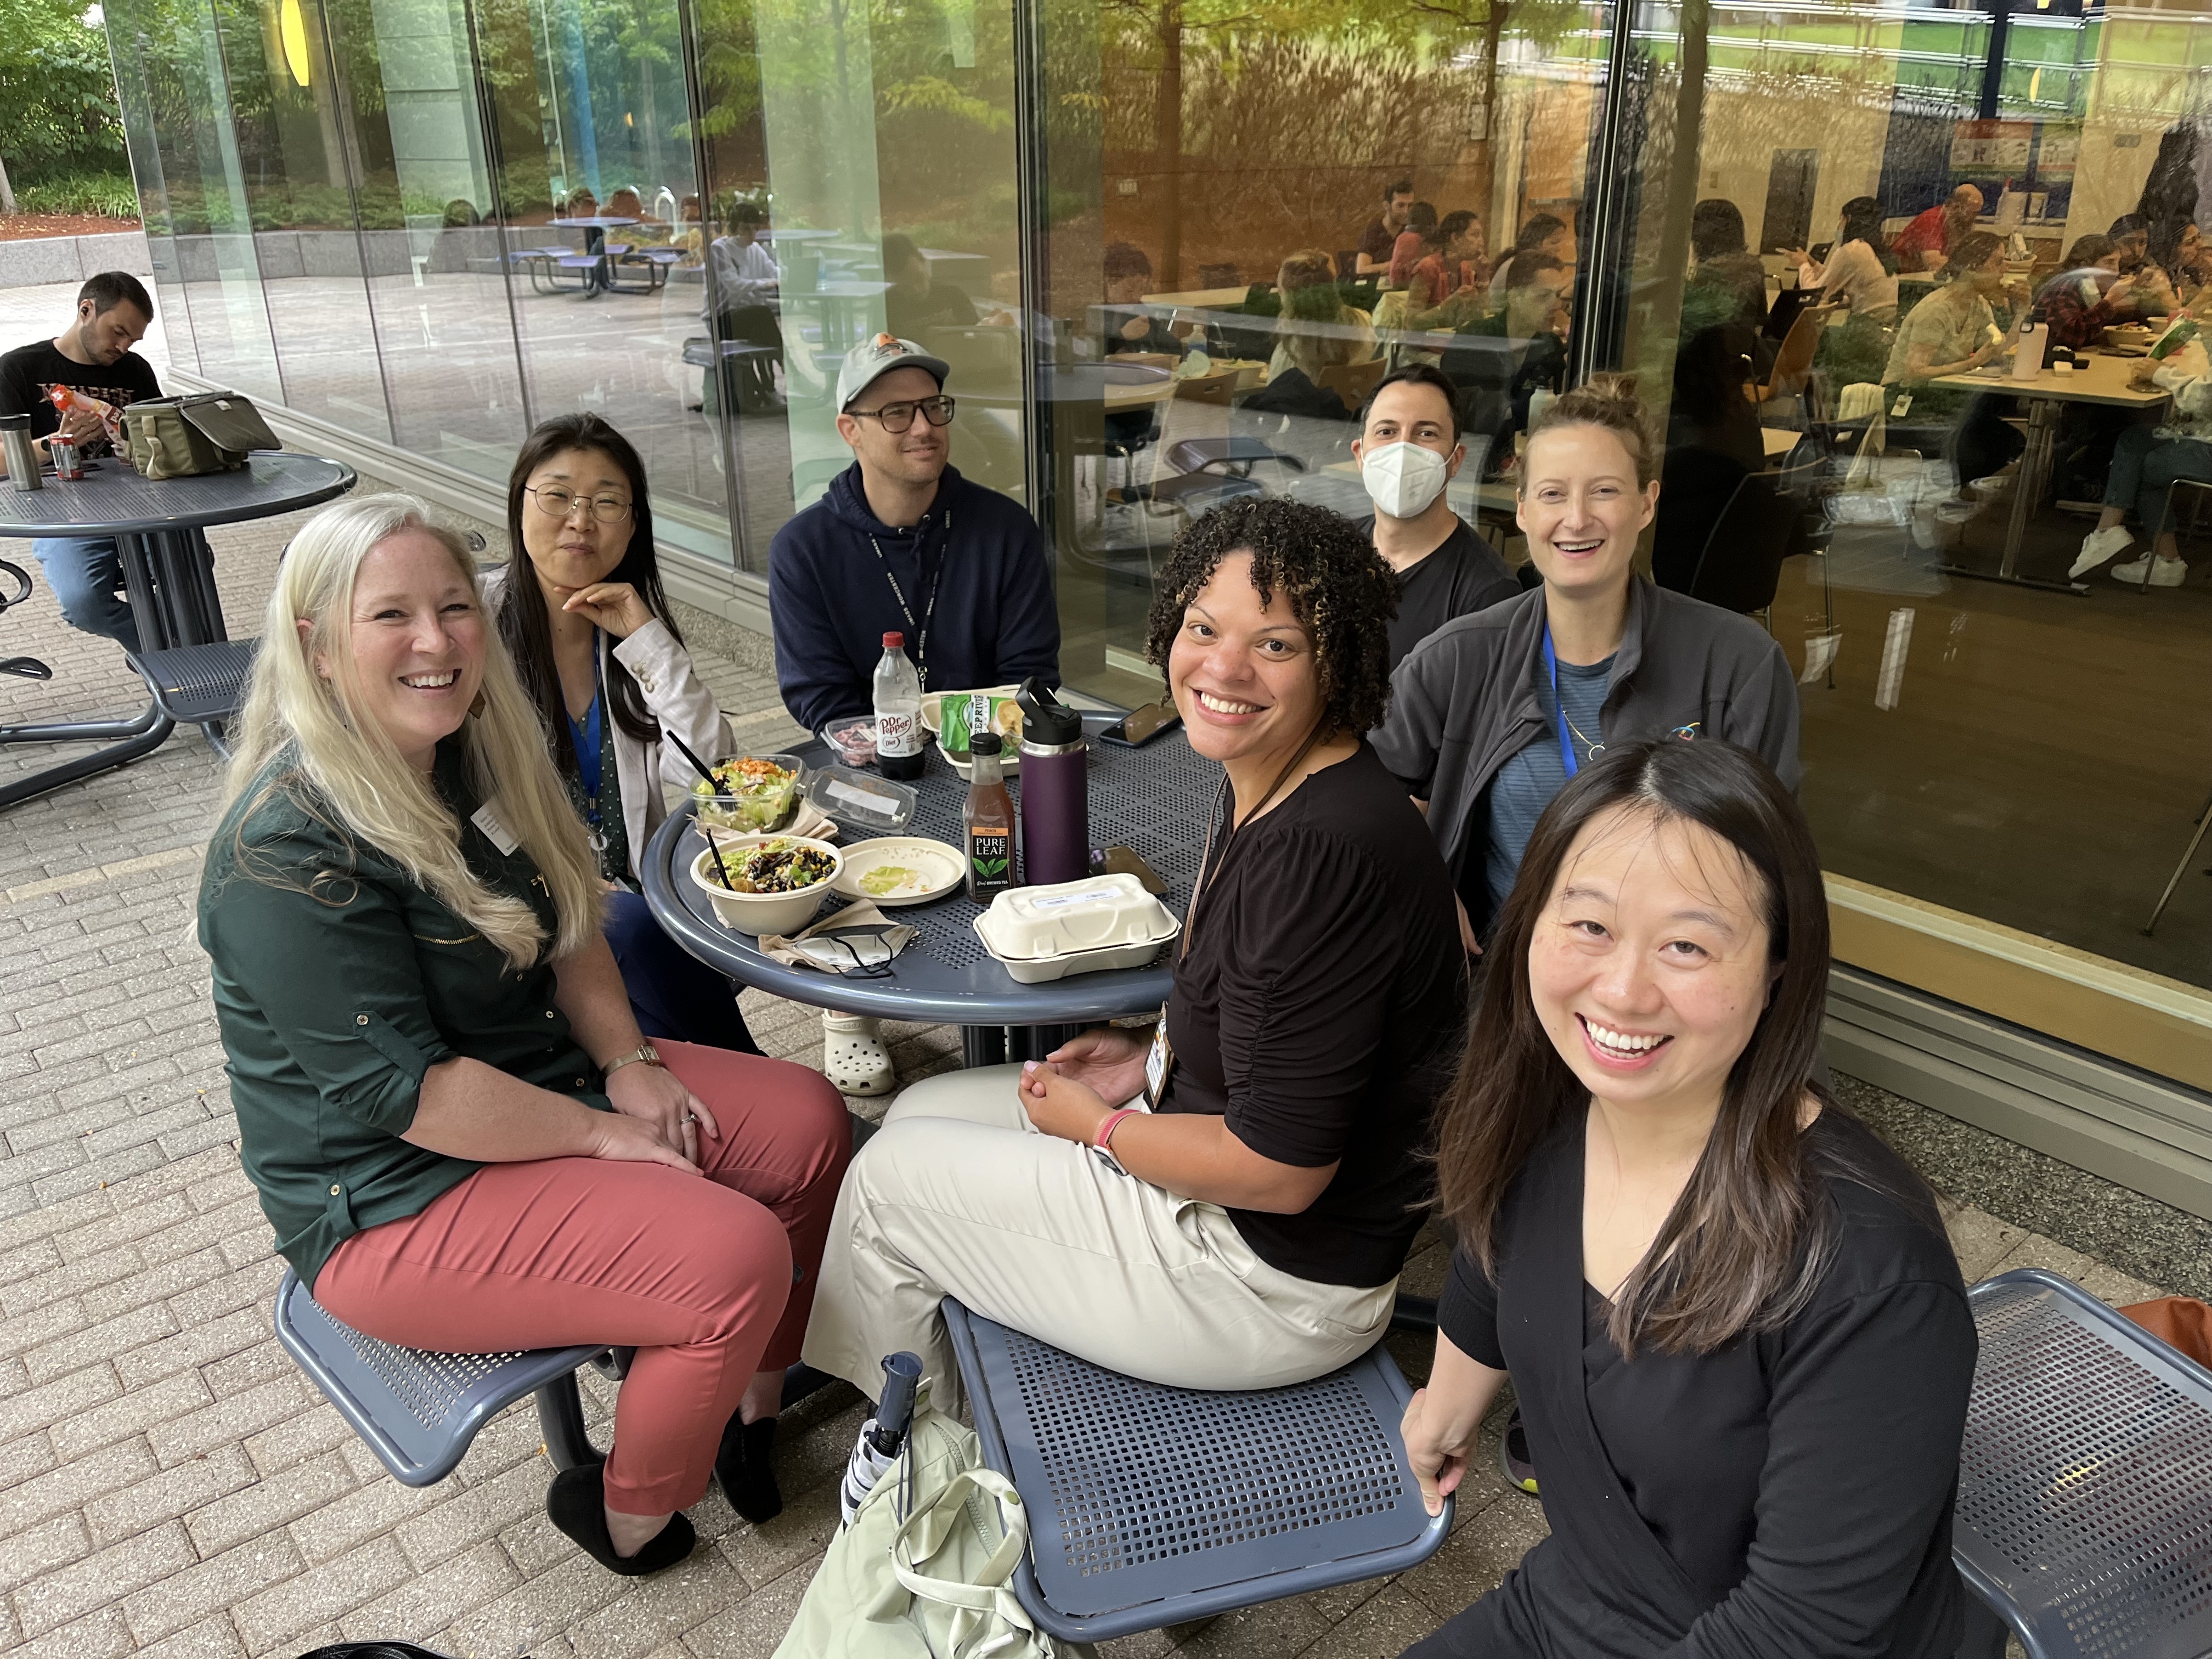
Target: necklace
x,y
1595,749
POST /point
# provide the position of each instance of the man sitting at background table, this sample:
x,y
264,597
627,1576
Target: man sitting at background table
x,y
1378,240
1408,451
901,543
1926,243
92,356
746,284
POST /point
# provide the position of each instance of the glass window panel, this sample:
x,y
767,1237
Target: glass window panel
x,y
1997,721
431,247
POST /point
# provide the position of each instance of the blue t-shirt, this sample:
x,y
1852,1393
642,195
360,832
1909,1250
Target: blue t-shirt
x,y
1524,786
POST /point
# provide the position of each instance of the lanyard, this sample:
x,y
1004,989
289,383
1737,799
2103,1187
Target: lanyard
x,y
919,629
1558,707
586,739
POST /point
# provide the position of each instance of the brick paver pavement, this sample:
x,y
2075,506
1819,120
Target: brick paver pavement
x,y
170,1484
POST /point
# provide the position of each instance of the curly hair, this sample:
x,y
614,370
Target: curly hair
x,y
1340,591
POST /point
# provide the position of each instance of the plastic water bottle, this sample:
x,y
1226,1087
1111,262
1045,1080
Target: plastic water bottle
x,y
898,711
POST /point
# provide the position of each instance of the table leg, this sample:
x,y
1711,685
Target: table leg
x,y
982,1045
140,581
2027,487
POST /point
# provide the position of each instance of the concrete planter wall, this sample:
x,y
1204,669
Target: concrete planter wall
x,y
278,254
73,259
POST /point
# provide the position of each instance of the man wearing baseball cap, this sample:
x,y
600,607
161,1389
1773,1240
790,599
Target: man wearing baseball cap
x,y
902,542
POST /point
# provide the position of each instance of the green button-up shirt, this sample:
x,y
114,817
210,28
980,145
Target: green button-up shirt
x,y
338,981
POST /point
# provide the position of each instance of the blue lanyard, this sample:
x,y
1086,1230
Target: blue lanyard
x,y
586,739
1558,707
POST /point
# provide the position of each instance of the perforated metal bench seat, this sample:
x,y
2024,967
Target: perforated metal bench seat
x,y
2085,1481
197,684
1149,1506
418,1411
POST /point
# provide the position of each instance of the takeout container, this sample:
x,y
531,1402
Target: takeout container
x,y
861,798
1044,933
761,913
755,815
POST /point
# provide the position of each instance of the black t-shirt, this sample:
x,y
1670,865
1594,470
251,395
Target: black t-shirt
x,y
944,307
27,371
1320,1008
1463,575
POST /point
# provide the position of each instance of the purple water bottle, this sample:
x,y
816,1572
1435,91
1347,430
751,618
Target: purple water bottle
x,y
1055,789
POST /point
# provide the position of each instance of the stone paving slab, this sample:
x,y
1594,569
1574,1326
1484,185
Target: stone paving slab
x,y
170,1485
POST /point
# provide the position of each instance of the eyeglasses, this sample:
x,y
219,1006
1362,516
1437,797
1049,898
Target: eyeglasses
x,y
555,502
896,417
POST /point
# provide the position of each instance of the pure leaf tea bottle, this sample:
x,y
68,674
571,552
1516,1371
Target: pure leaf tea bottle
x,y
987,822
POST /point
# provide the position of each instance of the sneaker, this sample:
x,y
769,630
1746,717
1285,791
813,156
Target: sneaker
x,y
2100,547
1513,1455
2147,572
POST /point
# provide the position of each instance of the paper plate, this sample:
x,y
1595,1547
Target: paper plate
x,y
936,869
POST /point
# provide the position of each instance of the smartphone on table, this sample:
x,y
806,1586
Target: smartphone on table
x,y
1141,726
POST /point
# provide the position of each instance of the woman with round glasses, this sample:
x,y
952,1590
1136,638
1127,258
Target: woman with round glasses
x,y
591,637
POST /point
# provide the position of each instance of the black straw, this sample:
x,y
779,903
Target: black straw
x,y
697,765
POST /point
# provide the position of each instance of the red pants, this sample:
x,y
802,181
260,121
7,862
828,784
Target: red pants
x,y
695,1273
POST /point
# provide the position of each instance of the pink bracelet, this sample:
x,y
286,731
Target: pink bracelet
x,y
1112,1121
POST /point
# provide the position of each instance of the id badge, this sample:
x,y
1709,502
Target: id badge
x,y
1158,1063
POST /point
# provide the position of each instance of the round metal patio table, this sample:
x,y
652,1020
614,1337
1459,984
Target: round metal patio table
x,y
1153,800
168,570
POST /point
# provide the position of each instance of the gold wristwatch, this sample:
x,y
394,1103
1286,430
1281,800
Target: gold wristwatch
x,y
645,1054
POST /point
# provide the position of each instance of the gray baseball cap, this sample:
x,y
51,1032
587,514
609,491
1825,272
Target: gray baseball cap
x,y
870,360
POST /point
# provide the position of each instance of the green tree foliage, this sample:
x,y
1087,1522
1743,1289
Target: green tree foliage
x,y
57,109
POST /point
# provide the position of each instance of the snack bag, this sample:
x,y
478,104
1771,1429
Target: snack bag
x,y
67,401
961,717
2178,334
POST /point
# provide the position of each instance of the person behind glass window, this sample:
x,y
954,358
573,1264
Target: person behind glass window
x,y
1955,330
1315,330
1380,239
582,613
94,357
1548,234
1418,237
1493,713
1409,450
1930,241
1736,1330
1247,1231
1860,271
458,1131
901,543
2147,460
1723,262
744,295
917,301
1129,325
1447,288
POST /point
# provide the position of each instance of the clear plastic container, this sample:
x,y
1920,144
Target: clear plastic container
x,y
861,798
853,740
762,803
1099,912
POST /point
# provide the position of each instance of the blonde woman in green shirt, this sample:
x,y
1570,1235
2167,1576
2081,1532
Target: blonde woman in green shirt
x,y
458,1131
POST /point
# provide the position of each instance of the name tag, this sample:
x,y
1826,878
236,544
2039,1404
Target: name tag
x,y
1156,1064
494,831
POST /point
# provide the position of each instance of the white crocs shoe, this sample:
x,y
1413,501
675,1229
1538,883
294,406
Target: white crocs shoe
x,y
2100,547
853,1057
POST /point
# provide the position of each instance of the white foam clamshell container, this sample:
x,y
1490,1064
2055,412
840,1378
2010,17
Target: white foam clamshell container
x,y
1042,933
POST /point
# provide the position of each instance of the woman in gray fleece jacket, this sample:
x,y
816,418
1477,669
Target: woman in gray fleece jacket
x,y
1492,713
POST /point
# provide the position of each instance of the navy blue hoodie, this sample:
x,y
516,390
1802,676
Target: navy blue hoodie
x,y
831,601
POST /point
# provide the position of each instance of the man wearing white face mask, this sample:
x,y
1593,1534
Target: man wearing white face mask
x,y
1408,450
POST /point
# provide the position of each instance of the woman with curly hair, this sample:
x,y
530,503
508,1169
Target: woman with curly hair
x,y
1222,1201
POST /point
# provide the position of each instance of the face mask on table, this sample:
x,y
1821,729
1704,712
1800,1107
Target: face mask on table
x,y
1402,479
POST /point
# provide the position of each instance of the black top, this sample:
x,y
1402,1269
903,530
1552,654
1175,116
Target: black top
x,y
1319,1008
908,316
1788,1493
1464,574
27,372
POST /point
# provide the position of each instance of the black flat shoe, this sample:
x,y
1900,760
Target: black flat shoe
x,y
744,1468
576,1503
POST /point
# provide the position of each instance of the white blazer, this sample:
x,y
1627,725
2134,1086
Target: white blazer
x,y
676,697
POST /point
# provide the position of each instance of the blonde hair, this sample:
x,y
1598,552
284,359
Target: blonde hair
x,y
1306,285
1608,401
351,773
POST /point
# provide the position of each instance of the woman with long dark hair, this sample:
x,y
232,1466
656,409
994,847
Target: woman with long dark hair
x,y
1735,1328
582,611
1860,271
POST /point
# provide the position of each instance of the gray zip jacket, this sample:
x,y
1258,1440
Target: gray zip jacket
x,y
1465,700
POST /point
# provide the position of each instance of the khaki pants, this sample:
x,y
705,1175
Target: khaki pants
x,y
959,1195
